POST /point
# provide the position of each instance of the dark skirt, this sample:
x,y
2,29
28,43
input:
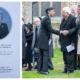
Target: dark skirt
x,y
28,54
23,50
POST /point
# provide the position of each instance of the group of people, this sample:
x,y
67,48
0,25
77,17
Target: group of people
x,y
38,41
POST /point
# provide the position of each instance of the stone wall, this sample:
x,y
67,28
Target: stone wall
x,y
27,11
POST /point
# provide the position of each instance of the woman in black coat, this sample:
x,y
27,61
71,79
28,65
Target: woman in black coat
x,y
29,36
23,45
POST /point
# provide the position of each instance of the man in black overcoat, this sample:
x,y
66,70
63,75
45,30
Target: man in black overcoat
x,y
68,22
43,40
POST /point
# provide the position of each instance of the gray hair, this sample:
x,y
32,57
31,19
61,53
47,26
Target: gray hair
x,y
74,6
36,19
67,9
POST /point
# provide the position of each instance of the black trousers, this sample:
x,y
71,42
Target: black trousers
x,y
78,62
75,59
43,61
69,60
23,61
50,65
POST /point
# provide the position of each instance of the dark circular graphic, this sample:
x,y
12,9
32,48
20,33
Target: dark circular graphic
x,y
5,23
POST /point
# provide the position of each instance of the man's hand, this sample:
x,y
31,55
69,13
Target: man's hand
x,y
61,32
64,32
72,44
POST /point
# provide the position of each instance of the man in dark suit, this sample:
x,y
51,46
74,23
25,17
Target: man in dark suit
x,y
74,30
3,27
43,40
37,23
68,23
51,53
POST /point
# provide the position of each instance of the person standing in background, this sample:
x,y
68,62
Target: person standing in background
x,y
29,36
78,34
74,13
74,10
23,44
37,24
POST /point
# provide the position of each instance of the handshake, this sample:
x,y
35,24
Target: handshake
x,y
64,32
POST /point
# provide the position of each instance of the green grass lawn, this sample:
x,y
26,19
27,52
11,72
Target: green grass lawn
x,y
56,73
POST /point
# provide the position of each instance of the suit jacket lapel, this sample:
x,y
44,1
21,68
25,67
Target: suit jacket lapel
x,y
63,24
38,29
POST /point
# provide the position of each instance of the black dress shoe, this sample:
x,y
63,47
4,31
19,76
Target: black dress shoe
x,y
75,68
29,69
68,72
51,68
43,72
65,69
